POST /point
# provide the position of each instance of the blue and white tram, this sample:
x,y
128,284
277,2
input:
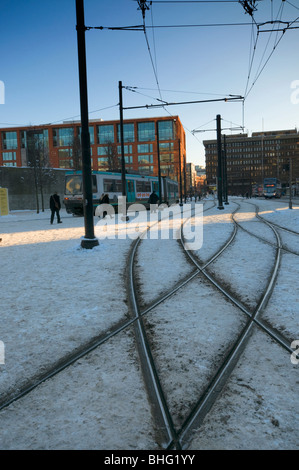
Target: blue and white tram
x,y
272,188
138,189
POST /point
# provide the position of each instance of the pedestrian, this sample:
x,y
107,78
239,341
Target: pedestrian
x,y
105,199
153,201
55,207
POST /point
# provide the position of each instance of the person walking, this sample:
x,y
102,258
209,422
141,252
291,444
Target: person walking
x,y
153,201
55,207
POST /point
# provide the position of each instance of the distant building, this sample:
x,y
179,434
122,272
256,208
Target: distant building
x,y
190,179
200,179
58,145
251,159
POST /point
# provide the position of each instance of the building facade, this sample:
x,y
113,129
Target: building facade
x,y
251,159
146,141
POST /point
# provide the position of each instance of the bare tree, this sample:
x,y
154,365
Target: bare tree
x,y
38,159
76,153
113,157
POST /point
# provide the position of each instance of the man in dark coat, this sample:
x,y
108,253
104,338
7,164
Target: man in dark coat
x,y
55,207
153,200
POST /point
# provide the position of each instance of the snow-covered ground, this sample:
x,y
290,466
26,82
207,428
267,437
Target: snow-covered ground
x,y
56,297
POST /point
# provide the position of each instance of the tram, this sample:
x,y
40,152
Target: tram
x,y
138,189
272,188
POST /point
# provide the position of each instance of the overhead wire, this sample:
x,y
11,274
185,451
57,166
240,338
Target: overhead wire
x,y
269,38
151,57
277,41
252,58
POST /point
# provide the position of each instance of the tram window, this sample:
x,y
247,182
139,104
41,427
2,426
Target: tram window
x,y
118,186
143,186
108,186
73,184
112,186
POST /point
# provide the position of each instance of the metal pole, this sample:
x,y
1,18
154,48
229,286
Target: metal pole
x,y
290,184
89,241
225,171
123,166
219,170
185,182
181,189
159,167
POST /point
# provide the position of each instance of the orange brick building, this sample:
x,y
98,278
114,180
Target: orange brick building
x,y
58,145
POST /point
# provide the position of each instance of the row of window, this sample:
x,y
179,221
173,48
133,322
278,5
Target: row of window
x,y
63,137
256,143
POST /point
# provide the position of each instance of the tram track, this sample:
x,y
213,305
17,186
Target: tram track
x,y
170,436
207,399
71,358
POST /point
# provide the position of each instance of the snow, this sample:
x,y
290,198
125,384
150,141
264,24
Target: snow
x,y
58,297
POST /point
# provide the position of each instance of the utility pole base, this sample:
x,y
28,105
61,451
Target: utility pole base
x,y
89,243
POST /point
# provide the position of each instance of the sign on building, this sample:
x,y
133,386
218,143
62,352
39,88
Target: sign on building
x,y
4,209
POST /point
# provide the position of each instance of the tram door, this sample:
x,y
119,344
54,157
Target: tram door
x,y
130,191
155,187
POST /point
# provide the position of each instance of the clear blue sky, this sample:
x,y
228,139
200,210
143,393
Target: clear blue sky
x,y
39,64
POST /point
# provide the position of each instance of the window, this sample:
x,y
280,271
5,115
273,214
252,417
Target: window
x,y
167,170
145,159
127,149
63,137
9,140
91,134
7,156
65,160
166,157
105,134
143,187
112,186
73,184
166,146
166,130
102,162
144,148
146,131
128,130
102,150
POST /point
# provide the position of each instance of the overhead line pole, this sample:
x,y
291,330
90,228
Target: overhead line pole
x,y
123,166
89,241
219,169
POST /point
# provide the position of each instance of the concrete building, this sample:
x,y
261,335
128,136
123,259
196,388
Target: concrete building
x,y
250,159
